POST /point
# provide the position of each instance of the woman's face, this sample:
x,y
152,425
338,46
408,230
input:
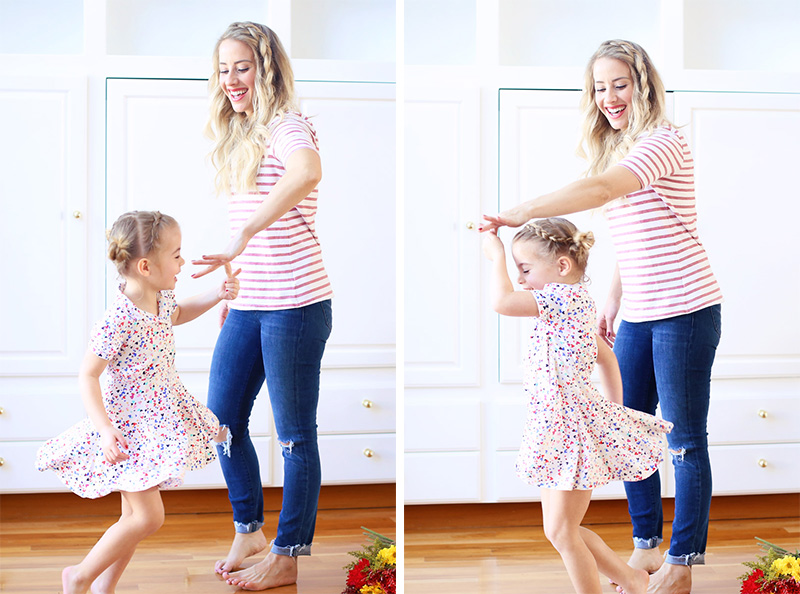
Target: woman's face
x,y
237,74
613,90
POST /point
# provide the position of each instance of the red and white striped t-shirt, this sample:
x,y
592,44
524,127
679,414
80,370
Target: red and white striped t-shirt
x,y
282,265
663,266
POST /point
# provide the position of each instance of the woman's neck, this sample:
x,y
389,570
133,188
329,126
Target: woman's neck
x,y
141,294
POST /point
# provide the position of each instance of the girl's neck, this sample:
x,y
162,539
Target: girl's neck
x,y
141,294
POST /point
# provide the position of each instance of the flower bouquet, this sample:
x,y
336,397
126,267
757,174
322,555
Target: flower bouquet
x,y
375,568
775,572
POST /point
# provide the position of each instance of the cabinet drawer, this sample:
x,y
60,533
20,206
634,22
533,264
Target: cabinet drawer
x,y
442,477
751,420
357,458
39,416
356,410
445,425
738,470
18,473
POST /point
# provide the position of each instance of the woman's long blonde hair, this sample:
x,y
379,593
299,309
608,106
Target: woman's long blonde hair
x,y
240,140
601,144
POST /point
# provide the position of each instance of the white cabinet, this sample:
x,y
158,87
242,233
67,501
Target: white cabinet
x,y
121,128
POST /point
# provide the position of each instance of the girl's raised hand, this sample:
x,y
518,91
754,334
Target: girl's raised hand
x,y
493,246
230,286
513,217
111,440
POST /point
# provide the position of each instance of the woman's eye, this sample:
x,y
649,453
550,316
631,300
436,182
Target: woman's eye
x,y
619,88
223,72
599,90
242,70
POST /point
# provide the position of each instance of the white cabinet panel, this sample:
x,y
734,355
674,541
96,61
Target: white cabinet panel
x,y
356,410
740,470
356,218
442,180
453,477
18,473
211,475
443,425
43,228
745,147
750,419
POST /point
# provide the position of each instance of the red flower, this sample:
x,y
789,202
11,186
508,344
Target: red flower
x,y
749,586
786,586
356,577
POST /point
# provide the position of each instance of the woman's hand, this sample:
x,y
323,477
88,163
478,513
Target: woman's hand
x,y
214,261
230,286
493,247
605,322
111,440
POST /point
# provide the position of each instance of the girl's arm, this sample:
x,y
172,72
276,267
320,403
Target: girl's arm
x,y
505,300
584,194
610,377
193,307
605,323
303,173
111,438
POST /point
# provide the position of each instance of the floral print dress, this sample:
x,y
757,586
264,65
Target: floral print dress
x,y
167,429
574,438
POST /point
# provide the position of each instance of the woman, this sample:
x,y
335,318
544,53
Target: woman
x,y
641,172
267,159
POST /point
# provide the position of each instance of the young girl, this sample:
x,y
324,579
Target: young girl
x,y
574,439
144,430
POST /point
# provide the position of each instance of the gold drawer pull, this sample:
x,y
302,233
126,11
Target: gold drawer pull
x,y
762,413
762,463
368,453
76,214
2,461
2,410
470,225
367,403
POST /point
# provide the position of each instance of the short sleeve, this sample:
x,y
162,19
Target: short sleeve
x,y
166,304
662,154
111,333
292,133
550,302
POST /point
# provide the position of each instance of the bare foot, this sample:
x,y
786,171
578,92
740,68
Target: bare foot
x,y
670,579
273,571
71,582
244,545
648,559
636,583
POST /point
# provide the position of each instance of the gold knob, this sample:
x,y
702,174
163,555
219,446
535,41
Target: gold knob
x,y
368,453
762,463
470,225
762,413
76,214
2,410
366,403
2,461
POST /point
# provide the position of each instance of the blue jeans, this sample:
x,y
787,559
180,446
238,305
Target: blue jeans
x,y
668,362
284,347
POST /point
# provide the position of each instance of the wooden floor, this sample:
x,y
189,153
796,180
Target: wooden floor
x,y
179,557
463,551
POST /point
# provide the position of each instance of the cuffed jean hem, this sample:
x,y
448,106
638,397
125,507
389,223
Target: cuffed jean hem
x,y
646,543
247,528
292,551
690,559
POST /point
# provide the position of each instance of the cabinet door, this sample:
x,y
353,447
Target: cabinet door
x,y
43,312
745,147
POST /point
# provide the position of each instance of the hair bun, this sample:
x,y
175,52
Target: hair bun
x,y
584,240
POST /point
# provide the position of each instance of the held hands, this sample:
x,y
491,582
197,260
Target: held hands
x,y
513,217
605,322
214,261
230,286
493,246
111,441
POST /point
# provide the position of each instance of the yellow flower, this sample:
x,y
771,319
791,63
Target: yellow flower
x,y
388,556
376,589
787,565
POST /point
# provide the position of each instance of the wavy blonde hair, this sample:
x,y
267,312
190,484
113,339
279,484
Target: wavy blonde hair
x,y
601,144
239,139
556,237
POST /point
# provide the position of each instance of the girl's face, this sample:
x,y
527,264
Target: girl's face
x,y
166,262
613,90
237,74
535,271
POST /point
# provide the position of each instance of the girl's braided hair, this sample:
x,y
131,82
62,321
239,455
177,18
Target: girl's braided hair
x,y
556,237
134,235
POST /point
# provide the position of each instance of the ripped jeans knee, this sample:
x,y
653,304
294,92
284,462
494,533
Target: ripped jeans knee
x,y
223,440
678,454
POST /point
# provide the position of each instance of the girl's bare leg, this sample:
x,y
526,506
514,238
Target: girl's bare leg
x,y
632,580
106,582
119,541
